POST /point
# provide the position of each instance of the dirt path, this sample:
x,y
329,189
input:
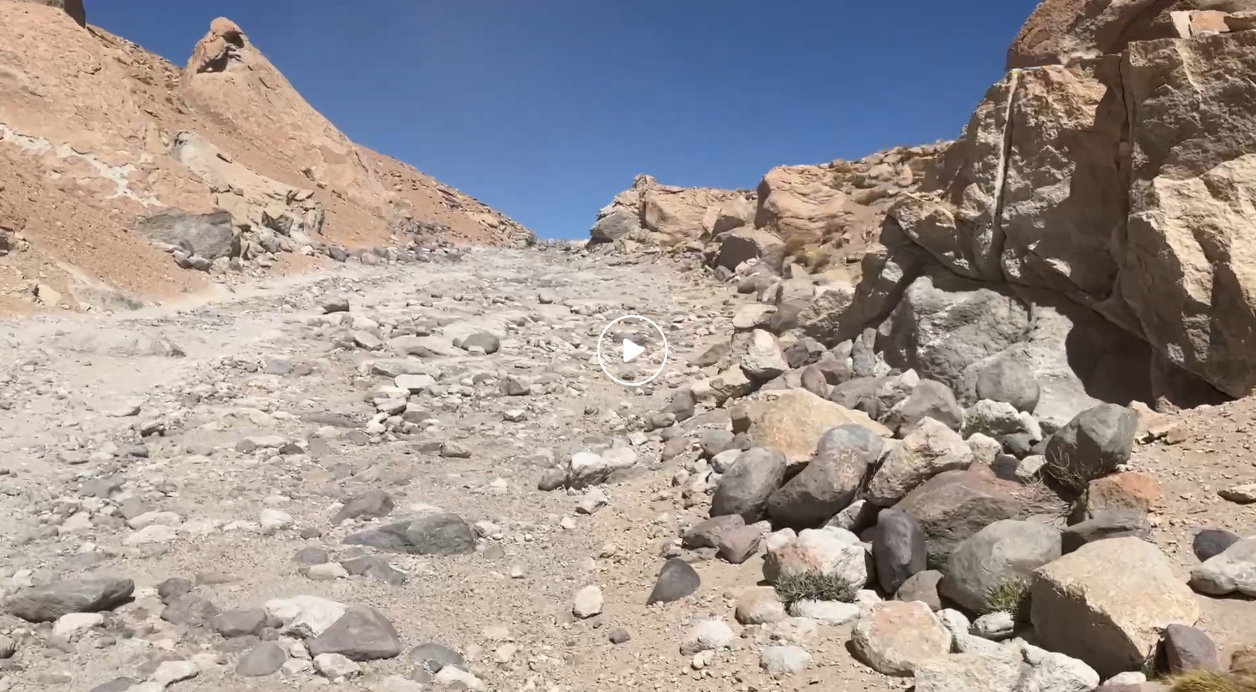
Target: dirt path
x,y
104,422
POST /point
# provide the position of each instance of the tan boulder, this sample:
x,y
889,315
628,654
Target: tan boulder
x,y
793,420
796,203
1189,259
673,213
747,244
1107,602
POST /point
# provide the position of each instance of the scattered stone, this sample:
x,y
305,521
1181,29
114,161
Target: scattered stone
x,y
588,602
240,623
1210,543
828,552
675,581
997,671
361,634
48,603
264,659
758,605
708,635
620,635
707,533
923,587
780,661
370,504
336,666
740,544
1234,570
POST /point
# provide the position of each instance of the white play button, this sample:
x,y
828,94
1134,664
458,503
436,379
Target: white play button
x,y
631,350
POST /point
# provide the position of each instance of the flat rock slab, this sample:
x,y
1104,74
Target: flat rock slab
x,y
433,534
47,603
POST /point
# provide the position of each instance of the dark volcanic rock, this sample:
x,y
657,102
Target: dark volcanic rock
x,y
47,603
432,534
361,634
675,581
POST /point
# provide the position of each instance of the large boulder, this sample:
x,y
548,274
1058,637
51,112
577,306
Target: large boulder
x,y
796,203
745,488
894,636
793,421
1185,274
744,245
930,449
1232,571
998,556
898,547
829,552
207,235
954,506
829,482
1107,603
944,325
615,225
1092,445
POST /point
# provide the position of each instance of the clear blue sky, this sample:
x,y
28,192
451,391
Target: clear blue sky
x,y
545,109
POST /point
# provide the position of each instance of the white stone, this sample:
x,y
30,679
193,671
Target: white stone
x,y
588,602
336,666
155,534
708,635
305,616
273,520
71,624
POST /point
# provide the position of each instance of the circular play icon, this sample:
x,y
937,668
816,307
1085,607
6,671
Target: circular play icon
x,y
632,350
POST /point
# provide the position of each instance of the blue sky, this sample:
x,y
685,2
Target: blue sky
x,y
545,109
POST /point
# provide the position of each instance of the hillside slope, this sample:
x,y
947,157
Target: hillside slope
x,y
112,160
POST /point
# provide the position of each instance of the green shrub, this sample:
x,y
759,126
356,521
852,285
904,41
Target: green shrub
x,y
814,586
1011,596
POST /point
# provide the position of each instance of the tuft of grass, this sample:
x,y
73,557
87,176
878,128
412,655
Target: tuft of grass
x,y
1210,681
1011,596
814,586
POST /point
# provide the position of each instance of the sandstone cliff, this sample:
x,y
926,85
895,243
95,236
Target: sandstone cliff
x,y
121,171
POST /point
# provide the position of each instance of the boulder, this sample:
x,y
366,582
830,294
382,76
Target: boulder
x,y
763,359
676,580
1188,648
744,245
928,399
898,547
893,637
617,224
930,449
746,487
821,317
793,421
829,482
955,505
998,671
1130,491
946,325
90,595
1000,555
209,235
923,587
797,203
1190,135
1010,381
433,533
1106,603
1210,543
707,534
1104,525
1092,445
1234,570
361,634
829,552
